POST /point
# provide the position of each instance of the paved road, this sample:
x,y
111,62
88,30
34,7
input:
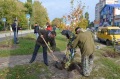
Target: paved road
x,y
103,44
10,34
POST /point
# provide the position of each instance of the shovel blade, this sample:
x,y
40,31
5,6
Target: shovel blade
x,y
59,65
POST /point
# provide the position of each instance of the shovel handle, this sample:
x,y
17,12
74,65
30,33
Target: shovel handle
x,y
55,58
46,43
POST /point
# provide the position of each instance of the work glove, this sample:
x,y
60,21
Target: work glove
x,y
41,36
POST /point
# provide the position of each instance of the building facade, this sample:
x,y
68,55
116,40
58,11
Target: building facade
x,y
110,15
99,7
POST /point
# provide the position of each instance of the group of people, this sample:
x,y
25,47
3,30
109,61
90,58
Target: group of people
x,y
48,28
83,39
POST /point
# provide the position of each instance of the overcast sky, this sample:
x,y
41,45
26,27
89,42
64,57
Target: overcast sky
x,y
58,8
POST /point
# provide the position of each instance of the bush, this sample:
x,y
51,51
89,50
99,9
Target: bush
x,y
1,27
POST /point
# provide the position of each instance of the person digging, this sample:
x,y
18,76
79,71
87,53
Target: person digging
x,y
48,37
68,60
85,41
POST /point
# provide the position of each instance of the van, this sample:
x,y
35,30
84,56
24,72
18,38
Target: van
x,y
109,35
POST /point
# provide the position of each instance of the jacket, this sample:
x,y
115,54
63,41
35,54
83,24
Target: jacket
x,y
14,27
40,41
85,41
49,28
36,29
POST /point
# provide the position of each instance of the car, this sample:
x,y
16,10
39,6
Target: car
x,y
109,35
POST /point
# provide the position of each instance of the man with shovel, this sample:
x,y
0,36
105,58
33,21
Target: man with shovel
x,y
43,39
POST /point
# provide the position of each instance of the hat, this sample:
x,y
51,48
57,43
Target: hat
x,y
53,33
76,29
67,33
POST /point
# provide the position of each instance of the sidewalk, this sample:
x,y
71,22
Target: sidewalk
x,y
10,34
2,35
12,61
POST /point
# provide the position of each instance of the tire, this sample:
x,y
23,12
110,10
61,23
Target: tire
x,y
99,40
107,42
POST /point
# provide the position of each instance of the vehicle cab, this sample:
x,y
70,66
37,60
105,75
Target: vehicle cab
x,y
109,35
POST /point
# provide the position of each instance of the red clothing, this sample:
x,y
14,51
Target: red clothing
x,y
49,28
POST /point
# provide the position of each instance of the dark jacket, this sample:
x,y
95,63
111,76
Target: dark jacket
x,y
85,42
40,41
14,27
36,29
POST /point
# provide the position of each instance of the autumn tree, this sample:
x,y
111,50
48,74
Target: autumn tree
x,y
10,9
21,11
28,5
57,22
76,16
39,14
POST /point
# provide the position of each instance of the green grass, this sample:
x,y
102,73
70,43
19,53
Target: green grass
x,y
31,71
105,67
112,68
26,45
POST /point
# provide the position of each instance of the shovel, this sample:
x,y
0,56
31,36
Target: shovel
x,y
58,64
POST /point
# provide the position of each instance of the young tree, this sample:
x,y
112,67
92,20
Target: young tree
x,y
87,18
76,15
87,15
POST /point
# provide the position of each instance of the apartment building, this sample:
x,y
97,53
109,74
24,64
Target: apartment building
x,y
110,15
99,7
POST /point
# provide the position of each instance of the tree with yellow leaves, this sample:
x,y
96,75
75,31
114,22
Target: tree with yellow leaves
x,y
76,18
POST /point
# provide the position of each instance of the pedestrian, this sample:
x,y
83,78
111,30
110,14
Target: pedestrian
x,y
85,41
15,29
54,27
49,37
36,29
49,27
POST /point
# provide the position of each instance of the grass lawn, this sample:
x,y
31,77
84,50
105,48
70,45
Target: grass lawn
x,y
33,71
26,45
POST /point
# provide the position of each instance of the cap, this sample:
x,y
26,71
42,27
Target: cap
x,y
76,29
